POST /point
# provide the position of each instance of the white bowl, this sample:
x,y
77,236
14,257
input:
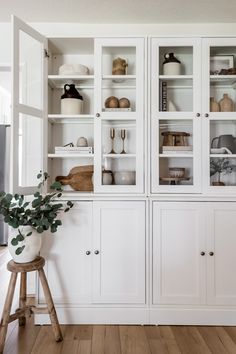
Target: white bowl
x,y
124,177
73,69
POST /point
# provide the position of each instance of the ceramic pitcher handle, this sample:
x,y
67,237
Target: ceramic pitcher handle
x,y
212,142
66,87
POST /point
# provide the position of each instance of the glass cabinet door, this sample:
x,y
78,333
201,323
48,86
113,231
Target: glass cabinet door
x,y
219,111
28,107
119,115
175,115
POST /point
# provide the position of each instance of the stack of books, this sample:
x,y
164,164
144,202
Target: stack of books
x,y
73,150
177,149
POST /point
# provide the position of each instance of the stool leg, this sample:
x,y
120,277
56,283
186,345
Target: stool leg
x,y
22,301
50,305
7,310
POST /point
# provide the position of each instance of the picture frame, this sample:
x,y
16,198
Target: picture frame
x,y
219,62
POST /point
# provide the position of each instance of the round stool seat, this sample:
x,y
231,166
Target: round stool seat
x,y
37,264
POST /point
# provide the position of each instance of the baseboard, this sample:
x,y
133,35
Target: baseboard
x,y
86,315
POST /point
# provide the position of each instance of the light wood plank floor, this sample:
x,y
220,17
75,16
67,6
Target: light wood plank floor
x,y
99,339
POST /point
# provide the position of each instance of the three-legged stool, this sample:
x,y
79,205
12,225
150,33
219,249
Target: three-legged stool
x,y
25,310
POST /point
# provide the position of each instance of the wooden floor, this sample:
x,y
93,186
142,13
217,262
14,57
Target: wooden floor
x,y
114,339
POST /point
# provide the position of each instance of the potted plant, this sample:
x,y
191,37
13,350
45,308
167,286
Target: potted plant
x,y
29,219
220,166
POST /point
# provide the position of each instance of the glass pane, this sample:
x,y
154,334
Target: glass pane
x,y
176,171
30,150
176,81
222,83
223,171
119,60
119,153
5,95
30,69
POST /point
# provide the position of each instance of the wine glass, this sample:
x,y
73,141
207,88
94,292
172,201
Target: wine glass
x,y
112,136
122,135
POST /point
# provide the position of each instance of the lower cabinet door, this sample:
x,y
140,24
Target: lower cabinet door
x,y
221,257
68,257
119,252
179,253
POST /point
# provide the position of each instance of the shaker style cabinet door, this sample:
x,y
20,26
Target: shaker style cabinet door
x,y
219,107
175,77
221,260
119,115
68,254
119,252
29,107
179,253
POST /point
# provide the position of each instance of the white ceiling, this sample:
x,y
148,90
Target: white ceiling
x,y
120,11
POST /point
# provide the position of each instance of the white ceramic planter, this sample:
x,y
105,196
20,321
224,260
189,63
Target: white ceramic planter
x,y
32,245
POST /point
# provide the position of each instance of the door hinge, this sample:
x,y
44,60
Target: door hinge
x,y
46,55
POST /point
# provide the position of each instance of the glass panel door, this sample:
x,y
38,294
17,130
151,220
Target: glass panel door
x,y
29,106
175,115
219,103
119,86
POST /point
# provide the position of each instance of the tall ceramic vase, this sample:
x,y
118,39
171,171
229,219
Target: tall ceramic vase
x,y
32,244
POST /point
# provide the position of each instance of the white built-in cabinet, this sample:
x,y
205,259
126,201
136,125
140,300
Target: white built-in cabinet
x,y
122,255
193,255
98,256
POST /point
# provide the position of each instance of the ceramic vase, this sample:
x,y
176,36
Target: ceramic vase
x,y
32,244
214,105
226,104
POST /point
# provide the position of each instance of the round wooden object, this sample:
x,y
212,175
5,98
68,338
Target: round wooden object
x,y
37,264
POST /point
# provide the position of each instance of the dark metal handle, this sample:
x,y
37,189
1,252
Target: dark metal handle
x,y
206,115
211,253
96,252
198,115
98,115
88,253
202,253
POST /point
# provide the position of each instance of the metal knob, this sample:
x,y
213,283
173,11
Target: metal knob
x,y
96,252
98,115
206,115
211,253
88,253
202,253
198,115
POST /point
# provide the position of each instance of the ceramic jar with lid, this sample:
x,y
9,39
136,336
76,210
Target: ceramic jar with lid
x,y
71,100
107,177
171,65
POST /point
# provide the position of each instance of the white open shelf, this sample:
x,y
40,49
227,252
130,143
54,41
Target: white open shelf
x,y
175,77
82,81
78,118
118,156
71,156
176,155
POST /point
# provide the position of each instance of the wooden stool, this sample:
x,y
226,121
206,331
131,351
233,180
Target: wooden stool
x,y
24,310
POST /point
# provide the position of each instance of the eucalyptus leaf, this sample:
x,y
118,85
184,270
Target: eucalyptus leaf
x,y
19,250
14,242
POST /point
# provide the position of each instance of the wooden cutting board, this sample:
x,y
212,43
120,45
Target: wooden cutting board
x,y
79,178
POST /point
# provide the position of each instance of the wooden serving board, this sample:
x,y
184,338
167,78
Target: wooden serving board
x,y
79,178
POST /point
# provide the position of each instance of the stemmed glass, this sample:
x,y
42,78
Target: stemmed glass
x,y
122,135
112,136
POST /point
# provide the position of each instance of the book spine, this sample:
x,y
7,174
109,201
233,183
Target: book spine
x,y
164,96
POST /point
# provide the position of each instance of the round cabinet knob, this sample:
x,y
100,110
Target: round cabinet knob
x,y
98,115
96,252
211,253
88,253
202,253
198,115
206,115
